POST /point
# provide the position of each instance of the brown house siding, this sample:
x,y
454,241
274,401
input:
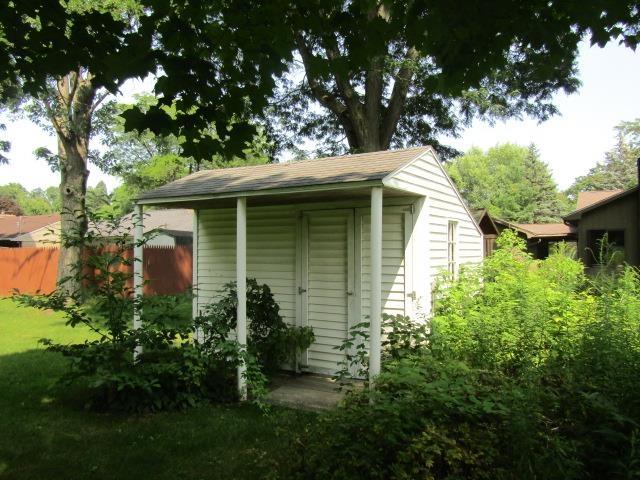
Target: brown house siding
x,y
620,214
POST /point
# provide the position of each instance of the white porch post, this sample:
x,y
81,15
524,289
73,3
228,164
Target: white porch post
x,y
138,271
376,283
241,282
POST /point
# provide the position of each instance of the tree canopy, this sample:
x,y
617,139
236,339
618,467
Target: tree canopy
x,y
365,74
619,170
35,202
144,160
510,182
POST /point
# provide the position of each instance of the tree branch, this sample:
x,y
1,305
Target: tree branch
x,y
97,102
72,94
325,97
402,81
349,95
53,118
373,77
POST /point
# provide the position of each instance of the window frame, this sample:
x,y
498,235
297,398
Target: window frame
x,y
452,248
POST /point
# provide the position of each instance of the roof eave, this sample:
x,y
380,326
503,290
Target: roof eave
x,y
259,193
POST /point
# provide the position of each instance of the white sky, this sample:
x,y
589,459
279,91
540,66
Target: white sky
x,y
570,143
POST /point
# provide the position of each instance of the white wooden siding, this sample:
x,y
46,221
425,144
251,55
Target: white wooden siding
x,y
271,253
443,203
393,264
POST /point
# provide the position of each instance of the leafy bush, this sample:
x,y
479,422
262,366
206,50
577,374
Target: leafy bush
x,y
529,370
269,338
401,337
170,371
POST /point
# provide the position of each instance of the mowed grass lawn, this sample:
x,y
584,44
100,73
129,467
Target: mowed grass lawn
x,y
46,434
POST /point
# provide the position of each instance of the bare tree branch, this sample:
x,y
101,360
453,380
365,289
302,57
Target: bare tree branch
x,y
402,81
72,94
325,97
349,95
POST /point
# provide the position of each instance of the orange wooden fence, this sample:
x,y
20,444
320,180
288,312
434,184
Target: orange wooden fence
x,y
167,270
29,270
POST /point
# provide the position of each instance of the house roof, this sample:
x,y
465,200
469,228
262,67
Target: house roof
x,y
321,171
540,230
577,214
177,222
588,198
482,217
12,226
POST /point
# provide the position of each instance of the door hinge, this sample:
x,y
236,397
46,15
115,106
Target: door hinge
x,y
301,290
412,295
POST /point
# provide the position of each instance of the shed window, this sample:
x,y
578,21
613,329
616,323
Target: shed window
x,y
452,247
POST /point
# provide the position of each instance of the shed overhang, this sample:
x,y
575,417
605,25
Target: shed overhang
x,y
281,196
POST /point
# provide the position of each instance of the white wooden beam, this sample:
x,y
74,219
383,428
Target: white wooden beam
x,y
199,334
241,282
376,284
138,271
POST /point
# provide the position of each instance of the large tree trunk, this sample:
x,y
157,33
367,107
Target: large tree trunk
x,y
369,125
71,117
73,188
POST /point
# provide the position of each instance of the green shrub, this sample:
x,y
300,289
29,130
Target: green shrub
x,y
170,371
269,338
528,369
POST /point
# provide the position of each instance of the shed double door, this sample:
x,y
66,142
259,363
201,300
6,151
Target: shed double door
x,y
335,268
327,284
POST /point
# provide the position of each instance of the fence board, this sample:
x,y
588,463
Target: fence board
x,y
167,270
29,269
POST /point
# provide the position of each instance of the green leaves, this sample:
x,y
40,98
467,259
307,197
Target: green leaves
x,y
224,62
510,182
526,370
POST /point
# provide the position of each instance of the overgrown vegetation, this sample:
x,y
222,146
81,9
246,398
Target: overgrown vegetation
x,y
170,369
529,370
47,434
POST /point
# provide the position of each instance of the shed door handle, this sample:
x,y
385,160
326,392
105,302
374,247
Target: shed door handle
x,y
301,290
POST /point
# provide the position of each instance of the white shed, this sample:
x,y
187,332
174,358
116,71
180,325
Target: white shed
x,y
338,240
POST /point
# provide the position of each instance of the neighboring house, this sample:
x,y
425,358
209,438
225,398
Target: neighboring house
x,y
540,237
29,230
610,213
588,198
490,230
305,229
171,227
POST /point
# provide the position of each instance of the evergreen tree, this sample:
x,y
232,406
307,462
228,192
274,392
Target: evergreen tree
x,y
510,182
543,205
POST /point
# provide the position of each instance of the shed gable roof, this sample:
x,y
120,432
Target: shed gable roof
x,y
321,171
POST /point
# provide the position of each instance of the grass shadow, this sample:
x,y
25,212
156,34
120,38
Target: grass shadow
x,y
46,433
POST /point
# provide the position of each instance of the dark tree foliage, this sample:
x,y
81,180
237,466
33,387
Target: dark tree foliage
x,y
376,74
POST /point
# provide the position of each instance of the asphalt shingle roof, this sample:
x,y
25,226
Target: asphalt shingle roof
x,y
12,226
320,171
